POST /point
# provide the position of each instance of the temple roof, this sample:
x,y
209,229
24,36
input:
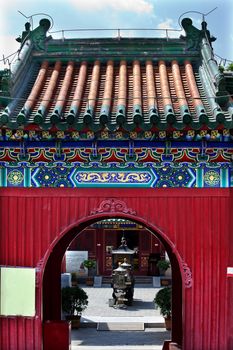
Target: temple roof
x,y
116,85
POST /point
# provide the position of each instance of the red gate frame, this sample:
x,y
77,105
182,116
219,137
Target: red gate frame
x,y
114,208
195,223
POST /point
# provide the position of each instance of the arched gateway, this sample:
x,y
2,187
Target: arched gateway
x,y
111,208
131,128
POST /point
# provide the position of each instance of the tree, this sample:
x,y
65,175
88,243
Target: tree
x,y
230,67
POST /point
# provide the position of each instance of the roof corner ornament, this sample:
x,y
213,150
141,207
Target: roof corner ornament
x,y
212,66
37,35
206,33
25,34
113,206
193,35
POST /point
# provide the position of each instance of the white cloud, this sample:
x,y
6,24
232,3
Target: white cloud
x,y
9,5
8,45
133,6
169,23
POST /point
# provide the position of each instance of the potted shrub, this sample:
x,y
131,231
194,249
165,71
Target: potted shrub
x,y
74,302
163,265
163,300
90,266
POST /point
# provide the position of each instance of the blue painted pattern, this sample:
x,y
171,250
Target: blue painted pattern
x,y
131,174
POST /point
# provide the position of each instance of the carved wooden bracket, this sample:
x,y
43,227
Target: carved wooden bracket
x,y
39,268
188,280
113,206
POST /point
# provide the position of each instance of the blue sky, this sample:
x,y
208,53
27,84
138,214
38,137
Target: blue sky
x,y
75,14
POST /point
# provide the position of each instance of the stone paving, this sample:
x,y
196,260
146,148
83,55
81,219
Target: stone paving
x,y
142,310
142,305
91,339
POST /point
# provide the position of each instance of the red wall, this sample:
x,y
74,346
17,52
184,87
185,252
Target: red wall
x,y
197,221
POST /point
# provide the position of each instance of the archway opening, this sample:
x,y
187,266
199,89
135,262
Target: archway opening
x,y
99,240
52,271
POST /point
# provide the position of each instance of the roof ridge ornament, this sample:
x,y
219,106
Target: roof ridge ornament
x,y
206,33
25,34
194,35
201,40
37,35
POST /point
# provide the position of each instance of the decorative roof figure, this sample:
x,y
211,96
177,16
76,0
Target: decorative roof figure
x,y
25,33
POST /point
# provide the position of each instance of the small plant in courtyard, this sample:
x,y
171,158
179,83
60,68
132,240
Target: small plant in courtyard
x,y
89,264
163,301
163,265
74,300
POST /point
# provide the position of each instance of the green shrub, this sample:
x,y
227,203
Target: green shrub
x,y
89,264
163,300
74,300
163,264
230,67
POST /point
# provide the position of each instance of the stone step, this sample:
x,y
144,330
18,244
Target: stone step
x,y
138,280
143,279
114,347
106,279
120,326
122,323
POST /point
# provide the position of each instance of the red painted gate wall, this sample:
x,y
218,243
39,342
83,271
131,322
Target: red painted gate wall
x,y
197,221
